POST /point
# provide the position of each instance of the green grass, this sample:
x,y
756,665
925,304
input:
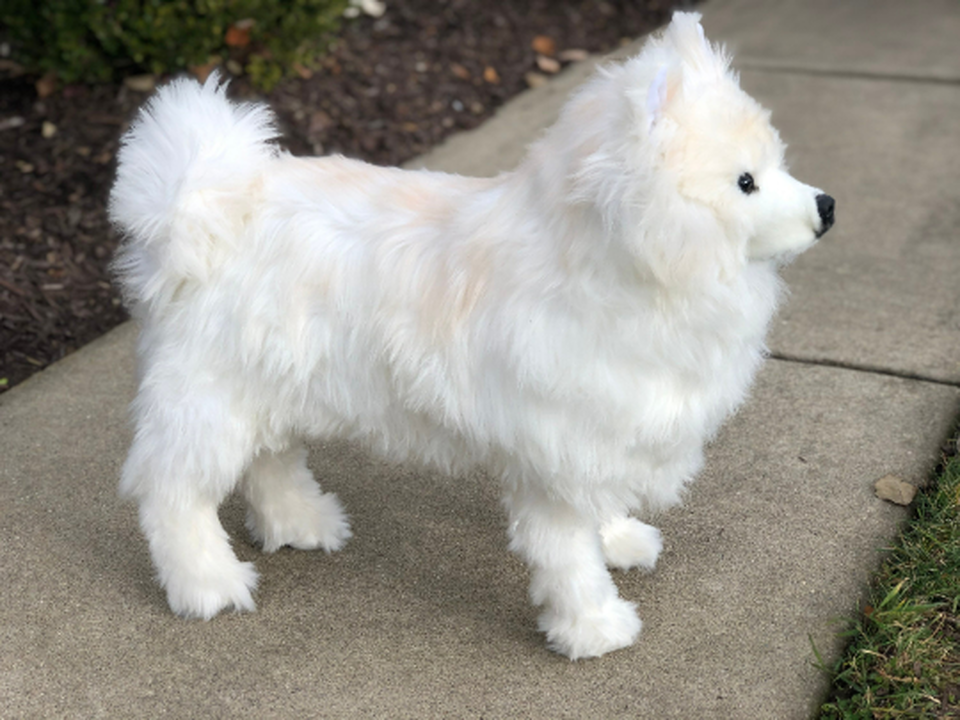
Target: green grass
x,y
903,660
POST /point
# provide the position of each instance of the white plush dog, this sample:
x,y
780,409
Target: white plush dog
x,y
579,327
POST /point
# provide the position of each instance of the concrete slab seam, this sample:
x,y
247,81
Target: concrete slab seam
x,y
855,367
766,67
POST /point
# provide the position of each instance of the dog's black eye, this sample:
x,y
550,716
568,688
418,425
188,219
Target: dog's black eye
x,y
746,184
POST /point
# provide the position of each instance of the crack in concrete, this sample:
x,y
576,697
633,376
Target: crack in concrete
x,y
858,367
755,66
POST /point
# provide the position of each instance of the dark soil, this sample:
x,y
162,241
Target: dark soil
x,y
390,89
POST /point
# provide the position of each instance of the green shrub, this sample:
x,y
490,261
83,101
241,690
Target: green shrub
x,y
102,40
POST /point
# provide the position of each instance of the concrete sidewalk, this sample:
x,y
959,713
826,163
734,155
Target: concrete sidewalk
x,y
424,613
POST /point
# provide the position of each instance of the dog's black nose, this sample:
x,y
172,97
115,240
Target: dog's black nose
x,y
825,205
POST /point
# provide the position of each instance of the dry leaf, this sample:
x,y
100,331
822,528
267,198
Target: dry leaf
x,y
202,72
303,71
544,45
9,66
895,490
237,37
47,85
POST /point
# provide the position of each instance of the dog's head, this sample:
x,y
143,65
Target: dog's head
x,y
717,149
682,165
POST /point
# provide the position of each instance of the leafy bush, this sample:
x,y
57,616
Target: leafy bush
x,y
101,40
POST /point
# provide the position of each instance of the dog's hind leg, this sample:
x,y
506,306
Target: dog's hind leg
x,y
191,552
287,507
187,456
583,616
629,543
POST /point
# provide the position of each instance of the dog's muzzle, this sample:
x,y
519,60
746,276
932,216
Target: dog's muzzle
x,y
825,205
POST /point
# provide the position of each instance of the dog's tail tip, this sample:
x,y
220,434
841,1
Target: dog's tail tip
x,y
189,150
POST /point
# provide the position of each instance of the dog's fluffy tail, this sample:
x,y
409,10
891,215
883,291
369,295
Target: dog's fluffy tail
x,y
184,171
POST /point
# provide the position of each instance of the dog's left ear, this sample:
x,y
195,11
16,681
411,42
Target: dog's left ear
x,y
656,98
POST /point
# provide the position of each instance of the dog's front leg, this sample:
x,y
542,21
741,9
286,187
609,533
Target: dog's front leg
x,y
583,616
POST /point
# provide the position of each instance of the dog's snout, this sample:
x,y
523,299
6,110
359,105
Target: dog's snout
x,y
825,205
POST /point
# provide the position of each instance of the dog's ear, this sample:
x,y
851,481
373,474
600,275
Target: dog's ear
x,y
688,57
702,61
684,35
662,90
656,98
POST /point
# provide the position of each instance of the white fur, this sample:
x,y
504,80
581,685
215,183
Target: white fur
x,y
629,543
579,327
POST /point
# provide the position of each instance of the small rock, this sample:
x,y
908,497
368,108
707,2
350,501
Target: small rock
x,y
460,71
25,167
895,490
11,123
48,129
140,83
574,55
491,75
535,79
320,122
234,67
547,64
373,8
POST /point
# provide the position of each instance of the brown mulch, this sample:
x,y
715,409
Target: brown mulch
x,y
391,88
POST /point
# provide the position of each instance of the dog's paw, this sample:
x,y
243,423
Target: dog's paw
x,y
629,543
613,626
306,521
229,584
